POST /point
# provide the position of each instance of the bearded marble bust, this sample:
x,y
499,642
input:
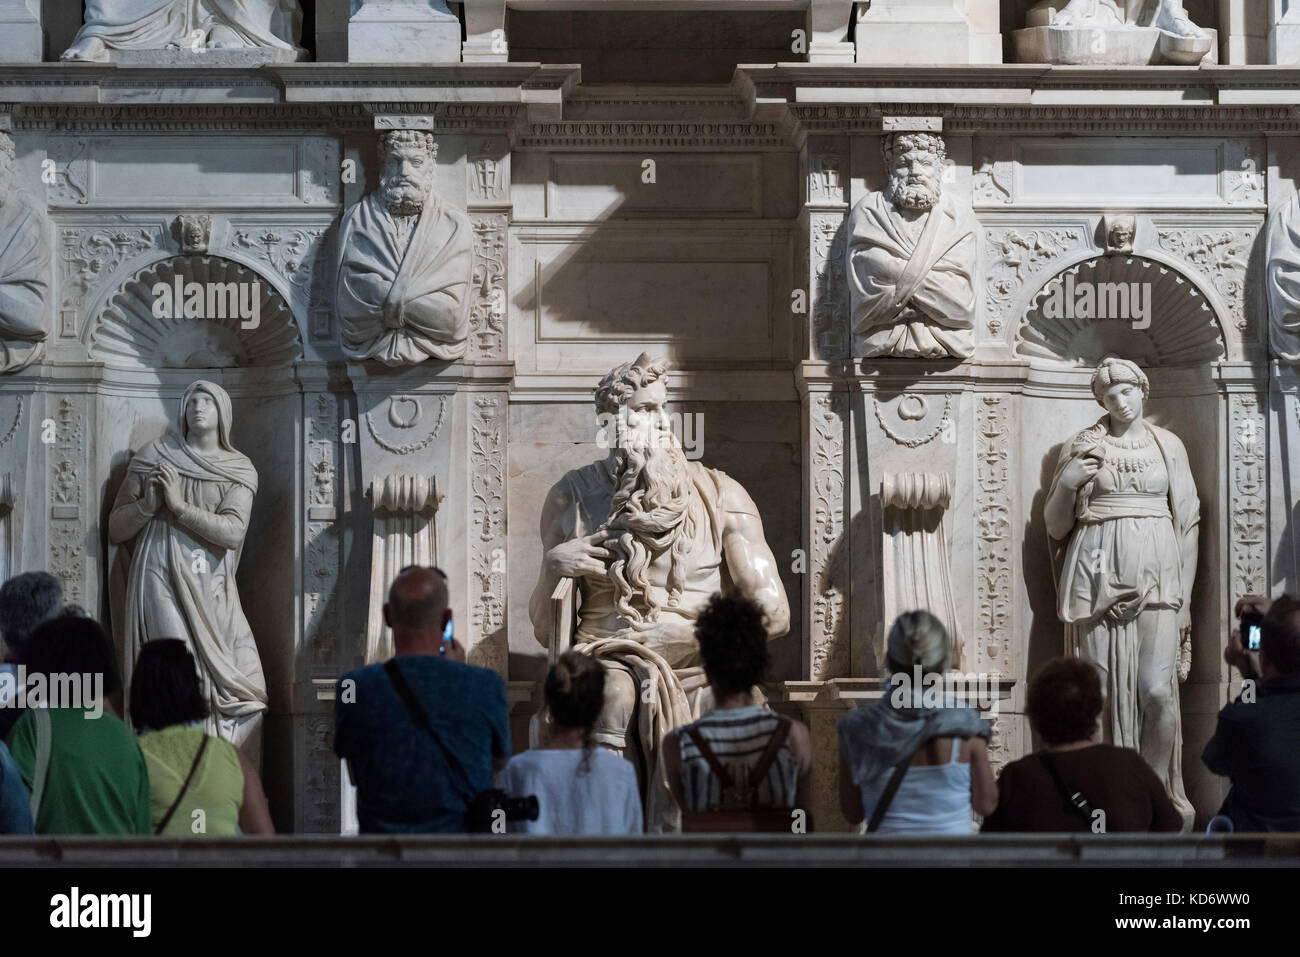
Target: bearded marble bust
x,y
911,258
405,262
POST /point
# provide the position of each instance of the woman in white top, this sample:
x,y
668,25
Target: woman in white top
x,y
580,788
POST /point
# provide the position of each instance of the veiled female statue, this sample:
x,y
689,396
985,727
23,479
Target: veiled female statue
x,y
1122,517
183,512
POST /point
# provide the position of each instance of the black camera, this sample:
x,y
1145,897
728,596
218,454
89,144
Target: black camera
x,y
492,809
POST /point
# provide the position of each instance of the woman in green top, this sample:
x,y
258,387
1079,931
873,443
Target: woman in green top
x,y
80,761
199,783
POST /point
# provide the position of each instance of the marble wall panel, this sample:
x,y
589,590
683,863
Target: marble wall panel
x,y
588,298
194,171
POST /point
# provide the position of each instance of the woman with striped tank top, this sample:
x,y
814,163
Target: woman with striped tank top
x,y
741,765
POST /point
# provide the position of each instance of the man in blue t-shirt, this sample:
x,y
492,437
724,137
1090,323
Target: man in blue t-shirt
x,y
405,784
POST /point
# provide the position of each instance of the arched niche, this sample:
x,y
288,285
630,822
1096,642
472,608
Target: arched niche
x,y
1092,309
1184,351
138,329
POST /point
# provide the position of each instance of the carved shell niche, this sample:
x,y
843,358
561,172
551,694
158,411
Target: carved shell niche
x,y
1183,330
129,334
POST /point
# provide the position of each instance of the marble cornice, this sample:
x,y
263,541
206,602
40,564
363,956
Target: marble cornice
x,y
764,108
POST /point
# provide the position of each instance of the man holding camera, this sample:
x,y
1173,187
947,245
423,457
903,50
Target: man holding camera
x,y
424,732
1255,743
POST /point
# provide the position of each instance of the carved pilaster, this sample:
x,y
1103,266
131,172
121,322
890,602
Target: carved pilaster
x,y
995,649
1247,492
66,478
826,587
321,598
487,311
487,551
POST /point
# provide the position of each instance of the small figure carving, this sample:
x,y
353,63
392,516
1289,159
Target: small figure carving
x,y
1120,231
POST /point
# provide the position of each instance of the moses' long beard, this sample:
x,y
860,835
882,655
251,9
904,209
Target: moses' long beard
x,y
653,509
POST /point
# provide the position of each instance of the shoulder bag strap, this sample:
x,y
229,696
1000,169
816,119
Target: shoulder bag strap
x,y
774,744
44,742
1075,799
887,797
421,718
162,825
706,752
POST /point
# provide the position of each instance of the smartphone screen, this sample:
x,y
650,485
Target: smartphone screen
x,y
1250,630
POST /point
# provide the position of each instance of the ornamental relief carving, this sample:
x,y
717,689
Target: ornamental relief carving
x,y
67,535
89,258
993,536
1013,256
410,423
487,311
830,654
488,533
1221,256
830,287
1247,476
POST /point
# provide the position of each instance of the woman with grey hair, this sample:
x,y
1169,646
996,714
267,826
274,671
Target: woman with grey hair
x,y
913,763
1122,521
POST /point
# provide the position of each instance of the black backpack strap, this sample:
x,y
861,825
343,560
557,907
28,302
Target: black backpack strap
x,y
1075,799
887,796
774,744
162,825
711,759
421,718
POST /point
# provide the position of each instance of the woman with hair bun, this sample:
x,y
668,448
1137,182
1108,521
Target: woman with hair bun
x,y
580,788
907,763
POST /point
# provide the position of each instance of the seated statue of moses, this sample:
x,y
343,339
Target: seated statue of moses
x,y
649,536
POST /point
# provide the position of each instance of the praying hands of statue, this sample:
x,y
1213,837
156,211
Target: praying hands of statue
x,y
580,556
168,482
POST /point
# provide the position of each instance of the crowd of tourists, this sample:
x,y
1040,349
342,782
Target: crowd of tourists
x,y
426,739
